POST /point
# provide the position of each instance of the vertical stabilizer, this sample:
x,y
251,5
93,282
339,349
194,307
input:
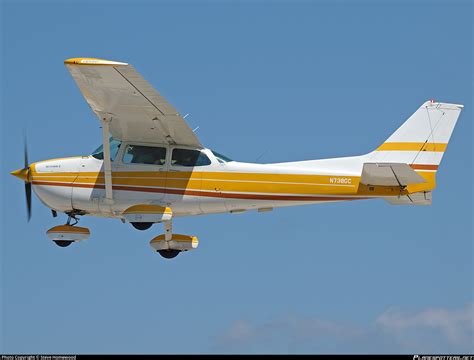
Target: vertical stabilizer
x,y
422,140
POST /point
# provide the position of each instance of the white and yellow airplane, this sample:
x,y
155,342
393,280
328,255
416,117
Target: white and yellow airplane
x,y
153,168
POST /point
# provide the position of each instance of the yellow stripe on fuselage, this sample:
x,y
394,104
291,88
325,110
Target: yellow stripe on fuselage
x,y
233,182
216,181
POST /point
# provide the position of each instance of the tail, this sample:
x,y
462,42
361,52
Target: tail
x,y
421,141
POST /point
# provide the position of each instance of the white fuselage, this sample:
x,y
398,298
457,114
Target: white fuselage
x,y
78,184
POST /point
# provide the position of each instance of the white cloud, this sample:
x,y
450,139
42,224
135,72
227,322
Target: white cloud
x,y
239,332
431,330
455,325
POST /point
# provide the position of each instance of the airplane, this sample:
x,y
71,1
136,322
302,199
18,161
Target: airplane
x,y
152,168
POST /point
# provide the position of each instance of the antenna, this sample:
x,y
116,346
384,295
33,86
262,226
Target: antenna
x,y
261,155
196,128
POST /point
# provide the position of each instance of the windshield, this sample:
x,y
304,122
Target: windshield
x,y
221,158
114,148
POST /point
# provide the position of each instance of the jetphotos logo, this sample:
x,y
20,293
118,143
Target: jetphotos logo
x,y
443,357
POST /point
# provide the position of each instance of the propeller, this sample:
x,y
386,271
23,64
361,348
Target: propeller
x,y
24,174
27,182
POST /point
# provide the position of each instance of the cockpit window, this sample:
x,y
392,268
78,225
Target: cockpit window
x,y
221,158
150,155
114,148
186,157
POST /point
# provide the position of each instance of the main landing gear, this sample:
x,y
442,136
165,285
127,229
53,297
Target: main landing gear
x,y
168,254
169,245
63,243
142,225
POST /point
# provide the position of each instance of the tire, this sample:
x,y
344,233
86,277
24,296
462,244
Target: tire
x,y
169,254
63,243
142,225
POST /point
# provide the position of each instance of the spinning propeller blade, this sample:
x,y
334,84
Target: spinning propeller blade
x,y
23,174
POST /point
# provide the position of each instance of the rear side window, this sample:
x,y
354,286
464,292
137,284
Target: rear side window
x,y
150,155
185,157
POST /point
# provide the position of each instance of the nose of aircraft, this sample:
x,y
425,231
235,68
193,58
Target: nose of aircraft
x,y
21,174
24,175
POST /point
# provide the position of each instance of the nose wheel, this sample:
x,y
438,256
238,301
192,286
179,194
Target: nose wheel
x,y
63,243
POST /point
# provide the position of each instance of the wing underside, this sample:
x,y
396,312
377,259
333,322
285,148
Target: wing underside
x,y
116,92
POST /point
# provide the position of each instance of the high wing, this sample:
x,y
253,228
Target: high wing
x,y
134,110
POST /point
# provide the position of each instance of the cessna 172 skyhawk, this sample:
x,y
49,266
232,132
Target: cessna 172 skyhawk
x,y
153,168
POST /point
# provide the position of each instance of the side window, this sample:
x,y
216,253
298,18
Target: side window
x,y
137,154
185,157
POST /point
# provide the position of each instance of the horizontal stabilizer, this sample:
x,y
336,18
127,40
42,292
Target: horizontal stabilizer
x,y
389,174
421,198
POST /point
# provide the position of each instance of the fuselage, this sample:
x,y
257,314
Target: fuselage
x,y
217,186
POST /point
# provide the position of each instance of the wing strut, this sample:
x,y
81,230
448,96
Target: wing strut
x,y
105,120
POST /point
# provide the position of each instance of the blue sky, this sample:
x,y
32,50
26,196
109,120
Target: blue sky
x,y
291,81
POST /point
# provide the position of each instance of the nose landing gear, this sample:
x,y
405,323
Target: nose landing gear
x,y
65,235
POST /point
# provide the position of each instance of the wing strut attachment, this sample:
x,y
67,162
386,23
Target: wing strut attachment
x,y
105,120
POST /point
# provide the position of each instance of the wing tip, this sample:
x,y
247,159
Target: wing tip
x,y
92,61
